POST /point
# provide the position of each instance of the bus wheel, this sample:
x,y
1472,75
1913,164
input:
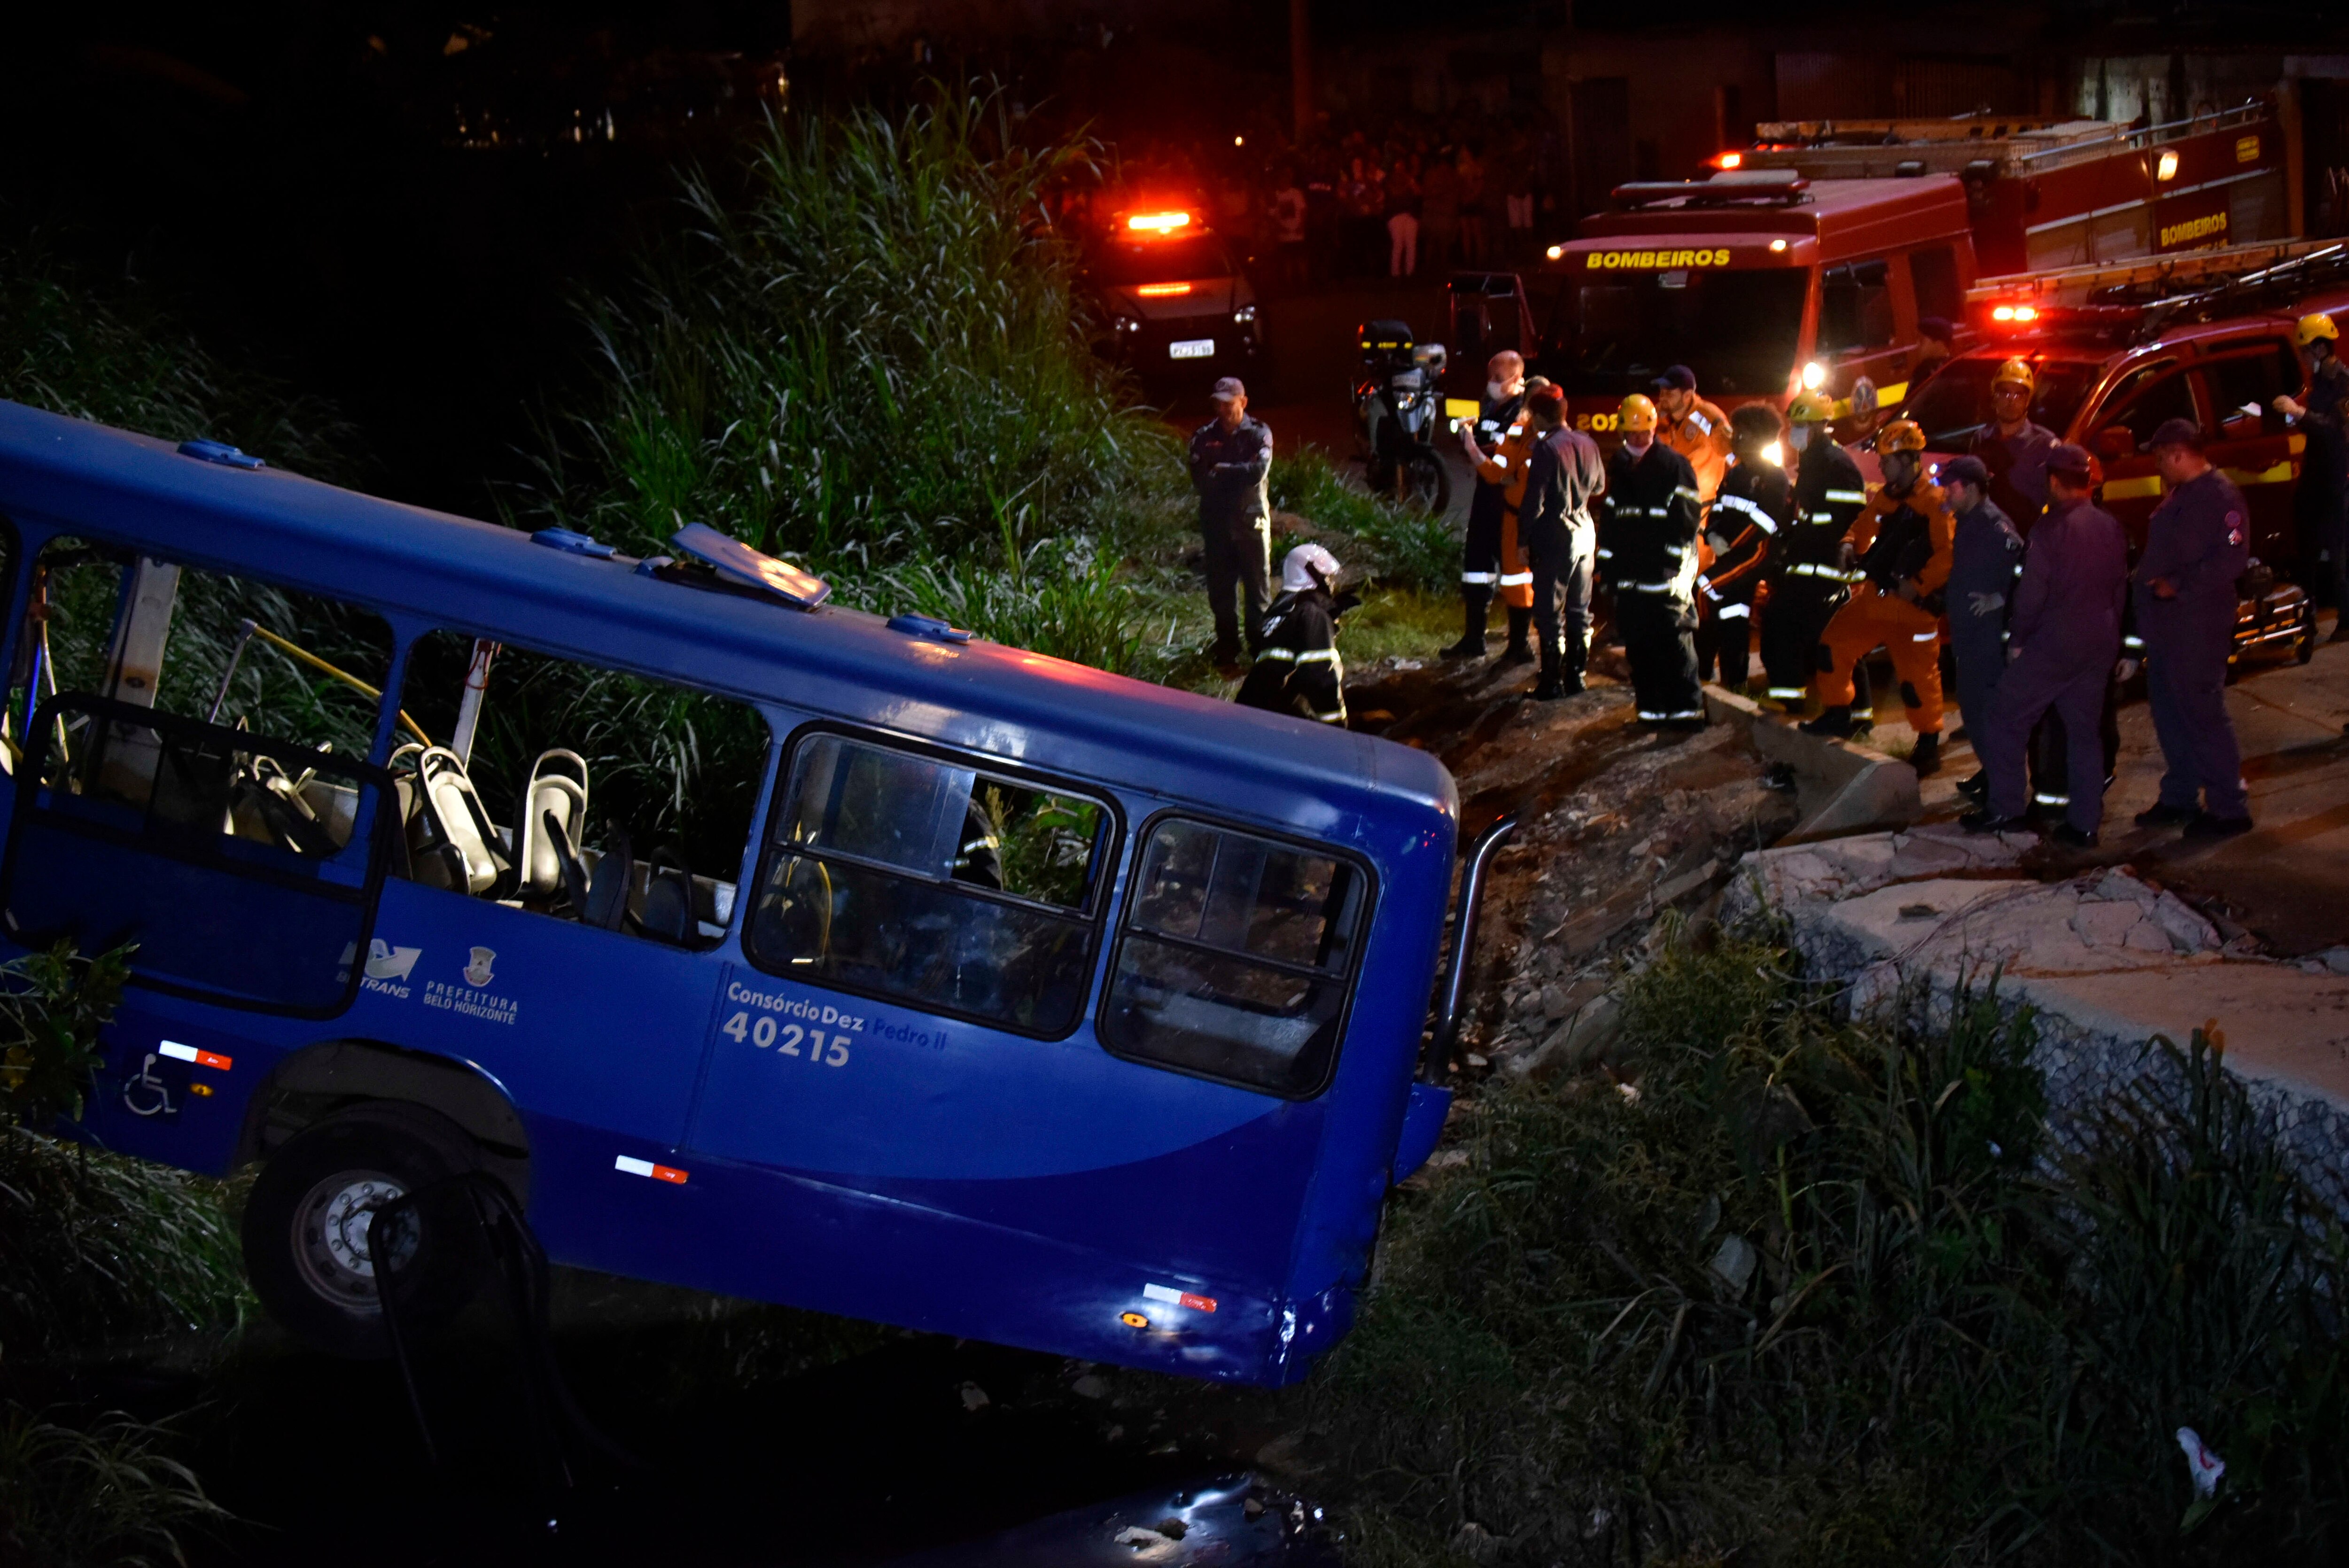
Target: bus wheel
x,y
308,1242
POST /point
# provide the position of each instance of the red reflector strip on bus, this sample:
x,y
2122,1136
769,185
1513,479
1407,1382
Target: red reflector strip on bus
x,y
1172,1297
668,1174
179,1053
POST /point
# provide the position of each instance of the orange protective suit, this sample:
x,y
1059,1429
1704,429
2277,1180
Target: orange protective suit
x,y
1505,466
1910,634
1701,436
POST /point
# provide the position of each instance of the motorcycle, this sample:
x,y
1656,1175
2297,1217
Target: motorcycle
x,y
1397,414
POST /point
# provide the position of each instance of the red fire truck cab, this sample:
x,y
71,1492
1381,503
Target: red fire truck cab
x,y
1762,283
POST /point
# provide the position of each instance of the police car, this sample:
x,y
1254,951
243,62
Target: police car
x,y
1171,295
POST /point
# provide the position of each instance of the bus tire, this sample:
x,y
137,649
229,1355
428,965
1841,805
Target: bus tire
x,y
305,1232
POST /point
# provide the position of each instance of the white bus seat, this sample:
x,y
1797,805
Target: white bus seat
x,y
558,788
459,821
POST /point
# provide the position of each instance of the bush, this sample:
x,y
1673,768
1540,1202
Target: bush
x,y
1821,1293
52,1005
1407,548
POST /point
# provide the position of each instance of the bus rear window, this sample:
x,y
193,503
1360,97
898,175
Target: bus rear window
x,y
1236,959
1737,330
898,874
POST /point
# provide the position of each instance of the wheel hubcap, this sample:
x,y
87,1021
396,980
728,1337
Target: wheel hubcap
x,y
331,1231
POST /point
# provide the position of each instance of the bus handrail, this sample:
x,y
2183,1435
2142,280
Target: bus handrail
x,y
1489,844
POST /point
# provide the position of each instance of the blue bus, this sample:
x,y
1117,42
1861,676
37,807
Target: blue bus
x,y
754,944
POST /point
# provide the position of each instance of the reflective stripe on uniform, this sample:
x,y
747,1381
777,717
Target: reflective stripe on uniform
x,y
1788,694
1606,554
1762,520
1476,577
1734,612
1857,498
1924,636
1648,717
1514,579
1683,489
2052,800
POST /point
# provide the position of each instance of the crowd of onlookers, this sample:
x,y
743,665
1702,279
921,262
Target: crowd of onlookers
x,y
1410,200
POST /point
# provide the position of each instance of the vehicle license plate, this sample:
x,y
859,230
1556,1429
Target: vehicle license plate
x,y
1193,348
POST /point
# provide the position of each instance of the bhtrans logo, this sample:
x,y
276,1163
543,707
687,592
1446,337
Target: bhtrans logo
x,y
1650,261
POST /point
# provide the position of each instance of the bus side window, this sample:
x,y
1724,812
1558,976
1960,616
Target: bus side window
x,y
898,874
570,791
1236,959
191,751
1855,306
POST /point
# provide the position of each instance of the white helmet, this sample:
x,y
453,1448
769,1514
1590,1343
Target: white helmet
x,y
1308,566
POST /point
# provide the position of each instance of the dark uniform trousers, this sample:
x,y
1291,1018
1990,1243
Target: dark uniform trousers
x,y
1561,560
1239,565
1808,581
2320,502
2197,541
1647,554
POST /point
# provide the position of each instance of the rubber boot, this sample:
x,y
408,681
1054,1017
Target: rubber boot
x,y
1552,684
1834,723
1471,645
1520,651
1926,758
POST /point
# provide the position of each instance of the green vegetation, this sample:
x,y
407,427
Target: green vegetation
x,y
1806,1291
105,1492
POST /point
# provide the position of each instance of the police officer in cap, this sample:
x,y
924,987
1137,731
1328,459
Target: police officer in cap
x,y
2196,545
1231,463
1755,501
1808,582
2319,504
1298,670
1646,558
2065,638
1499,416
1986,554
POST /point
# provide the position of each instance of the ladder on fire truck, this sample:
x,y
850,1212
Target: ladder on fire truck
x,y
2152,291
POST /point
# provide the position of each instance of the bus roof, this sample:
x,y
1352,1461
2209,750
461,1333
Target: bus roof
x,y
424,568
1848,217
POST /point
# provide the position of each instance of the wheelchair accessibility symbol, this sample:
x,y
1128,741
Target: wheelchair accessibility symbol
x,y
147,1095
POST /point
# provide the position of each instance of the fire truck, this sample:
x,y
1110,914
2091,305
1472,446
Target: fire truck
x,y
2117,350
1811,259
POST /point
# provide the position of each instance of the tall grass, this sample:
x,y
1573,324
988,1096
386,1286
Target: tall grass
x,y
106,350
108,1492
1821,1293
873,340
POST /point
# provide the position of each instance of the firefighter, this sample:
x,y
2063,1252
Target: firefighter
x,y
2012,447
2195,547
2065,638
1298,670
1648,524
1564,475
1808,582
1504,470
1696,429
1902,541
1755,501
2319,504
1500,415
1231,462
1985,553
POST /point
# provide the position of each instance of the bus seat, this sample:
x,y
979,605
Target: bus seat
x,y
558,788
459,821
607,890
668,899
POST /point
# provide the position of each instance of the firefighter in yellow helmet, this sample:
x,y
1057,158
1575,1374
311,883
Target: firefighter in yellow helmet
x,y
1805,570
2320,502
1901,542
2012,447
1648,559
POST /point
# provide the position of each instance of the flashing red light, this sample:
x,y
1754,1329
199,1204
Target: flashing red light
x,y
1159,223
1159,291
1729,160
2016,315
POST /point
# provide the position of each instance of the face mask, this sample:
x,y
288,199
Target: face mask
x,y
1799,436
1497,391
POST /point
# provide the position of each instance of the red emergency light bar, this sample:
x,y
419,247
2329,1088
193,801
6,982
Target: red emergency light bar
x,y
1158,223
1159,291
2017,319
